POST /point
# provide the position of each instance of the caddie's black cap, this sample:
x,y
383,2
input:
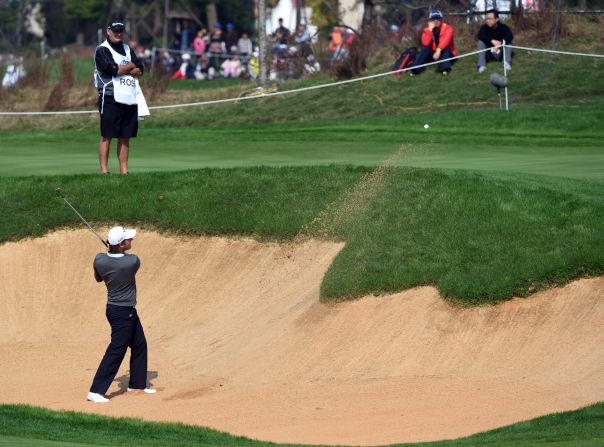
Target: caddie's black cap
x,y
116,25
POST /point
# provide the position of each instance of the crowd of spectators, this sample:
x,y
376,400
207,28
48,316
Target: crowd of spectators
x,y
224,52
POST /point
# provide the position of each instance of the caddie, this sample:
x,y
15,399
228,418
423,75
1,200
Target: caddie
x,y
116,70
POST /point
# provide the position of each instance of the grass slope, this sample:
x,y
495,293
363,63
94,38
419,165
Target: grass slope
x,y
29,426
477,237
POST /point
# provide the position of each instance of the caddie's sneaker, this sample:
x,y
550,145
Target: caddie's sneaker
x,y
146,390
482,69
97,398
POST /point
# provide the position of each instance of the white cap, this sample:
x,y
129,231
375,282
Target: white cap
x,y
119,234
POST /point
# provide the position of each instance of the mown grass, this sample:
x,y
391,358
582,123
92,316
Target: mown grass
x,y
478,238
30,426
551,141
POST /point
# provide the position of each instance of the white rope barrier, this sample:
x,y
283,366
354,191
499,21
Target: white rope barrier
x,y
304,89
568,53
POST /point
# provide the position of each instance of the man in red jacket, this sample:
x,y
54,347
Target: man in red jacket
x,y
437,44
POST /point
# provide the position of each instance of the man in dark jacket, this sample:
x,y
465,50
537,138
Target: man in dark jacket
x,y
491,34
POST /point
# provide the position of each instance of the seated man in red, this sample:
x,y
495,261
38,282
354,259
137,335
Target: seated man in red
x,y
437,44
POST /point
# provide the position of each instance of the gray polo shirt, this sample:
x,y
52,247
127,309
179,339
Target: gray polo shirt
x,y
118,271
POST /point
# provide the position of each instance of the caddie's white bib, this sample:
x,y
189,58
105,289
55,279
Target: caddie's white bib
x,y
124,86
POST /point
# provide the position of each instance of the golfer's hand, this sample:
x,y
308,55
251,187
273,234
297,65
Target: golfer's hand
x,y
431,25
436,55
136,72
496,42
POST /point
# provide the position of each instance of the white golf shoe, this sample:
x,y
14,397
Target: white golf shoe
x,y
97,398
146,390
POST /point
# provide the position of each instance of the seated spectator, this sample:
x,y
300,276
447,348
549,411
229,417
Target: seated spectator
x,y
11,77
302,39
186,69
254,65
437,43
336,43
203,69
245,48
491,34
168,62
231,68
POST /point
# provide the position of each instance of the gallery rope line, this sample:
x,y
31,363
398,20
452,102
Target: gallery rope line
x,y
568,53
303,89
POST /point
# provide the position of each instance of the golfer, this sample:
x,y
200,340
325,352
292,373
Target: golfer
x,y
116,70
118,270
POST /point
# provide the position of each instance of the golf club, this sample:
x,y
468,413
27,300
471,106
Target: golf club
x,y
60,193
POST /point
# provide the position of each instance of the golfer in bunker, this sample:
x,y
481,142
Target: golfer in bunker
x,y
118,270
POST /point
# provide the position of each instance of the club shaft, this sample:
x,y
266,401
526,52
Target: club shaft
x,y
83,220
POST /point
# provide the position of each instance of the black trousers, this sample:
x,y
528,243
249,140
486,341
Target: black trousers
x,y
126,332
425,55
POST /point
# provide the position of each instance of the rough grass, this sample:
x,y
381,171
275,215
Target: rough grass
x,y
22,425
477,238
568,80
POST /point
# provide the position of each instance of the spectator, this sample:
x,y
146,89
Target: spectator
x,y
186,69
254,65
491,34
302,39
244,45
217,46
231,68
199,44
176,39
231,37
282,33
204,70
12,75
336,44
186,33
437,43
168,62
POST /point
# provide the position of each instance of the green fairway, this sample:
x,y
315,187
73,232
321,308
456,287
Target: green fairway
x,y
556,142
37,427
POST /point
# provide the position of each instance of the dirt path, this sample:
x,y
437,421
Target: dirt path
x,y
239,342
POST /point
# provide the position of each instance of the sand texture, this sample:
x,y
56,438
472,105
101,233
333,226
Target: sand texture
x,y
239,341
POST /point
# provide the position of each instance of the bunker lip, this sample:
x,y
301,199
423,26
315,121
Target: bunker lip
x,y
239,342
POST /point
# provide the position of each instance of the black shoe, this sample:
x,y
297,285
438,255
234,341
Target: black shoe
x,y
106,173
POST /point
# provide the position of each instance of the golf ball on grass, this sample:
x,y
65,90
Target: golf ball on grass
x,y
426,126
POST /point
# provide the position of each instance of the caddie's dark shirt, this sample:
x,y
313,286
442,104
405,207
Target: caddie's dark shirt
x,y
118,271
104,60
500,32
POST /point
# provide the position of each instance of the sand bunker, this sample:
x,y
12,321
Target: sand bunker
x,y
239,342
